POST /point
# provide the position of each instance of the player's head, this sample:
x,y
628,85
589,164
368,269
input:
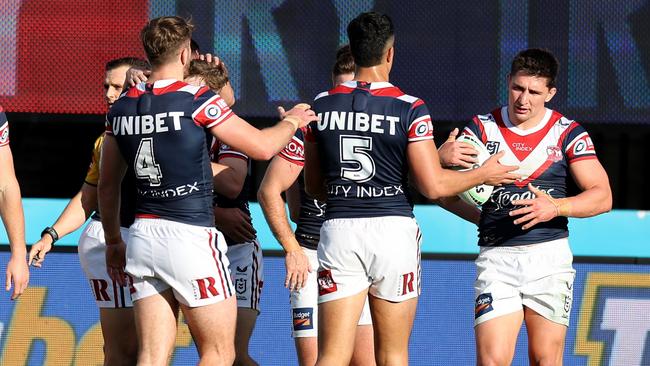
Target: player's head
x,y
215,77
531,84
343,69
371,38
116,73
166,40
194,47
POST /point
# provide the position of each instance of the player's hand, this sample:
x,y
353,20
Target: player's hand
x,y
497,174
301,113
234,223
18,274
298,269
39,250
136,76
211,59
536,210
453,153
116,261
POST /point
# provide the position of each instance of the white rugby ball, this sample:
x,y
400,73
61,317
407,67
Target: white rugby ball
x,y
480,194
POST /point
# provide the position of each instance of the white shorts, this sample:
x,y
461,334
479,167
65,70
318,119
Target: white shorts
x,y
92,256
378,253
304,303
189,259
247,271
538,276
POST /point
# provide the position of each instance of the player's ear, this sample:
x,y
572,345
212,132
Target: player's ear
x,y
390,54
551,94
185,56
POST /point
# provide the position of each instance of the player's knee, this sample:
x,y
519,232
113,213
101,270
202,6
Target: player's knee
x,y
244,360
493,360
549,360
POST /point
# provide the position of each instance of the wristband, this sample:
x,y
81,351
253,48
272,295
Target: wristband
x,y
295,121
52,233
562,206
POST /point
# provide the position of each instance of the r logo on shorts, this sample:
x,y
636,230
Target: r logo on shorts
x,y
205,287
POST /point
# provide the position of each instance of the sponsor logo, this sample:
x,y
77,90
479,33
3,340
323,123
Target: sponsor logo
x,y
583,146
212,111
204,288
4,136
483,305
554,153
521,146
503,198
303,318
492,147
423,128
242,270
240,285
407,283
295,148
326,284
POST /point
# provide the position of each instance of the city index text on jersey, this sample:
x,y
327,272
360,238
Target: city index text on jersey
x,y
357,121
146,124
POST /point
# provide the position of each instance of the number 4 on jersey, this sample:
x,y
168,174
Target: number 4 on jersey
x,y
145,165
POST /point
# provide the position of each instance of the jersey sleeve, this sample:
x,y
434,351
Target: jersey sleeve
x,y
92,177
4,129
419,122
475,129
578,145
209,109
294,152
226,151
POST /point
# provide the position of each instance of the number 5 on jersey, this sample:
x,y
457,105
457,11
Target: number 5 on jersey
x,y
145,165
354,150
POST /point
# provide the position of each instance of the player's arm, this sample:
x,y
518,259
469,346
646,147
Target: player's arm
x,y
434,182
460,208
314,180
595,198
112,169
229,181
75,214
292,195
11,211
263,144
280,175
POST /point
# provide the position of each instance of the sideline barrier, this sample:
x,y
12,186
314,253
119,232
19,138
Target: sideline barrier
x,y
620,233
56,320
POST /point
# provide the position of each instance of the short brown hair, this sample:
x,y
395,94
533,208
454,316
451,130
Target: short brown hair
x,y
215,77
536,62
344,61
163,37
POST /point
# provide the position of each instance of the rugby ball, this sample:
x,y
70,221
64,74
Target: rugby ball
x,y
480,194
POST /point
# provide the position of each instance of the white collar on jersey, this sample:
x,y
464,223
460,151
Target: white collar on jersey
x,y
373,86
519,131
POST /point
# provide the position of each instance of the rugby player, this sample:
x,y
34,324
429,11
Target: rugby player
x,y
175,255
232,215
283,175
524,269
113,300
11,212
370,136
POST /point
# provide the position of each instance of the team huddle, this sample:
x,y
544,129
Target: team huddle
x,y
170,228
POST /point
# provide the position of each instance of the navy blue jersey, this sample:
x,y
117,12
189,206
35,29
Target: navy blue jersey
x,y
543,155
160,132
312,211
362,134
219,151
4,128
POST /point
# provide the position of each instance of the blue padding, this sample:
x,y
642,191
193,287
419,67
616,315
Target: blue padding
x,y
621,233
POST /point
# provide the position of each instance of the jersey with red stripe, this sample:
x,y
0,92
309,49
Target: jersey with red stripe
x,y
362,134
160,131
220,151
4,129
543,155
312,211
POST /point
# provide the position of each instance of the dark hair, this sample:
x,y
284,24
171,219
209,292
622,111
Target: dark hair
x,y
216,77
536,62
369,33
135,62
163,37
194,46
344,61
